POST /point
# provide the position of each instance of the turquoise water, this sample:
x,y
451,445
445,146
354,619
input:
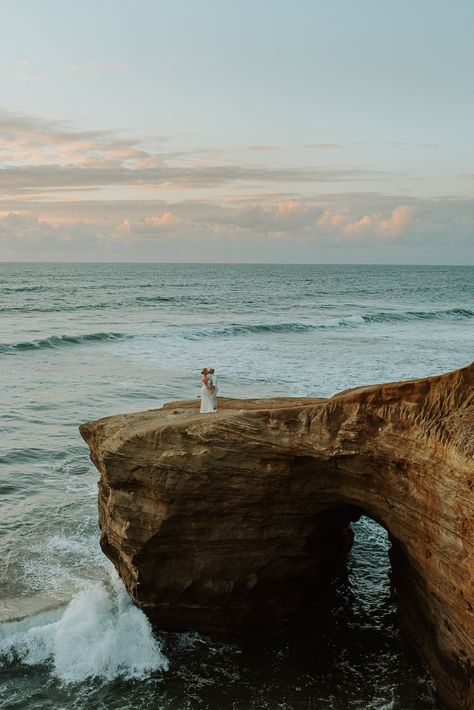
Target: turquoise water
x,y
81,341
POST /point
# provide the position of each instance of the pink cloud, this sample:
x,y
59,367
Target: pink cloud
x,y
375,224
399,220
161,225
283,209
360,226
333,219
106,230
166,218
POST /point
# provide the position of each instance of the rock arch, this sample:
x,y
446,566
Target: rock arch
x,y
220,521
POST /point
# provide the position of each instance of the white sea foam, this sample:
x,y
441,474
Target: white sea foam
x,y
62,563
100,634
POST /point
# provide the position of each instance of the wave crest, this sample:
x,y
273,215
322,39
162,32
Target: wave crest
x,y
100,634
56,341
352,321
447,314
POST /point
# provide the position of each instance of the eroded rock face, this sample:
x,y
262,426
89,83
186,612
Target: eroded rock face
x,y
218,521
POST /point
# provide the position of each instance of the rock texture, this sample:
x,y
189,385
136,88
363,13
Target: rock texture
x,y
218,521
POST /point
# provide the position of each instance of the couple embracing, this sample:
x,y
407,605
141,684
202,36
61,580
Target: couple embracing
x,y
208,390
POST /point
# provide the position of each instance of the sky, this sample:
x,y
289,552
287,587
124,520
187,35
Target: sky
x,y
307,131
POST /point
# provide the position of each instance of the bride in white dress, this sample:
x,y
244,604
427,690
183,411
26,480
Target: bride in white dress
x,y
207,399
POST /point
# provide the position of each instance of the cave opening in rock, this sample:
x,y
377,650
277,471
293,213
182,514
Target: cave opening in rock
x,y
347,633
357,590
368,571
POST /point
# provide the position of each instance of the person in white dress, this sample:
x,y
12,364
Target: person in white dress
x,y
207,400
214,388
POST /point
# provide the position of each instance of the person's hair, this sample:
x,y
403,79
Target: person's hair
x,y
211,369
204,370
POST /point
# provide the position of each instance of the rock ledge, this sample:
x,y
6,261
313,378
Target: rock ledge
x,y
219,521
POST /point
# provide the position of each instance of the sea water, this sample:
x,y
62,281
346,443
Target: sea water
x,y
82,341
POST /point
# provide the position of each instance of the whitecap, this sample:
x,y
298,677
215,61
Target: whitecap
x,y
100,634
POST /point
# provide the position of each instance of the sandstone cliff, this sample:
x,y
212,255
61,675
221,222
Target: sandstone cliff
x,y
221,520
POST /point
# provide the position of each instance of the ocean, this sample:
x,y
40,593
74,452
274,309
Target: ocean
x,y
83,341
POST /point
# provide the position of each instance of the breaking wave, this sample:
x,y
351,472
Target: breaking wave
x,y
100,634
237,329
352,321
56,341
448,314
296,327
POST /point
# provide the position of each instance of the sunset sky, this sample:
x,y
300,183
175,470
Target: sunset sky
x,y
237,130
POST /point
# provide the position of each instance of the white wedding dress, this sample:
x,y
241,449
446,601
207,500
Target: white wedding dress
x,y
215,390
207,400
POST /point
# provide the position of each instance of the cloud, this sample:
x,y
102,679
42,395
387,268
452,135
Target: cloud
x,y
325,146
400,144
40,156
19,225
399,221
212,153
26,142
263,148
41,178
274,219
374,224
296,217
26,78
167,218
195,230
164,225
334,220
87,194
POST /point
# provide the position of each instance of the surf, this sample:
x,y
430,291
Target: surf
x,y
100,634
57,341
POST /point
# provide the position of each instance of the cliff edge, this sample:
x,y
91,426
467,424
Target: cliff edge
x,y
220,521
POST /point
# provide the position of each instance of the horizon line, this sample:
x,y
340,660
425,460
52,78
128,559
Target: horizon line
x,y
234,263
